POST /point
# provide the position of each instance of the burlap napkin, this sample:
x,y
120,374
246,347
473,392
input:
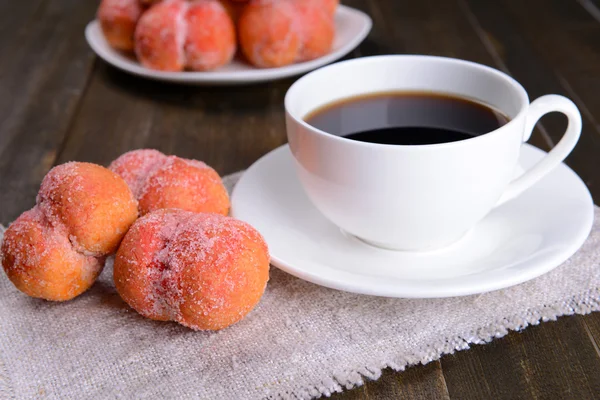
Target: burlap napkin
x,y
302,341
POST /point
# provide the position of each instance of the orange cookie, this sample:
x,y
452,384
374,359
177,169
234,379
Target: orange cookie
x,y
317,29
174,35
268,33
210,38
95,205
160,35
118,19
205,271
41,262
135,166
160,181
330,5
56,250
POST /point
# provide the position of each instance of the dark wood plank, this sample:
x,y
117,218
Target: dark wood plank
x,y
419,382
569,44
557,51
379,40
591,323
592,7
40,85
227,127
554,360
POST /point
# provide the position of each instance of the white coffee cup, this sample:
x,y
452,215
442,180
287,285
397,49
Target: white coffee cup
x,y
417,197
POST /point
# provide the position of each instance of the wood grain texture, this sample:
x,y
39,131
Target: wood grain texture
x,y
422,382
229,128
549,361
558,51
592,7
44,68
591,325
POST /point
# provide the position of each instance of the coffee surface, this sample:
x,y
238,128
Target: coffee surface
x,y
406,118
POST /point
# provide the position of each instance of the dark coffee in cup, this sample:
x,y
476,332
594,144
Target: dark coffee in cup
x,y
406,118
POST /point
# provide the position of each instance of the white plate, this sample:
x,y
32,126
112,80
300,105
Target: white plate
x,y
352,27
516,242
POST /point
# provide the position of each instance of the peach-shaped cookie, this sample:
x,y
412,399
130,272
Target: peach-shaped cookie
x,y
40,261
210,38
94,204
56,250
118,19
268,33
317,29
160,181
198,35
205,271
160,36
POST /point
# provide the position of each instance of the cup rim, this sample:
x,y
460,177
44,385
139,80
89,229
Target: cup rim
x,y
520,91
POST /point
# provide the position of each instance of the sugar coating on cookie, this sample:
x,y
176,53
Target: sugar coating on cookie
x,y
275,33
56,250
161,181
94,204
205,271
40,261
268,33
160,36
118,20
174,35
210,38
317,29
135,166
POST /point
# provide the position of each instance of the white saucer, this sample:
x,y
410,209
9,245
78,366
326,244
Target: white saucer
x,y
352,27
518,241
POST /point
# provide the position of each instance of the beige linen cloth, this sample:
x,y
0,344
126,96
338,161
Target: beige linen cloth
x,y
302,341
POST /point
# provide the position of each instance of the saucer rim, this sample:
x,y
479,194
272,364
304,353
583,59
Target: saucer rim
x,y
536,269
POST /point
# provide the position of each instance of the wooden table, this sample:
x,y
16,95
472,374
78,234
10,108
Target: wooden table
x,y
58,102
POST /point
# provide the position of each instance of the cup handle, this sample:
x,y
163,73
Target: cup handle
x,y
538,108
